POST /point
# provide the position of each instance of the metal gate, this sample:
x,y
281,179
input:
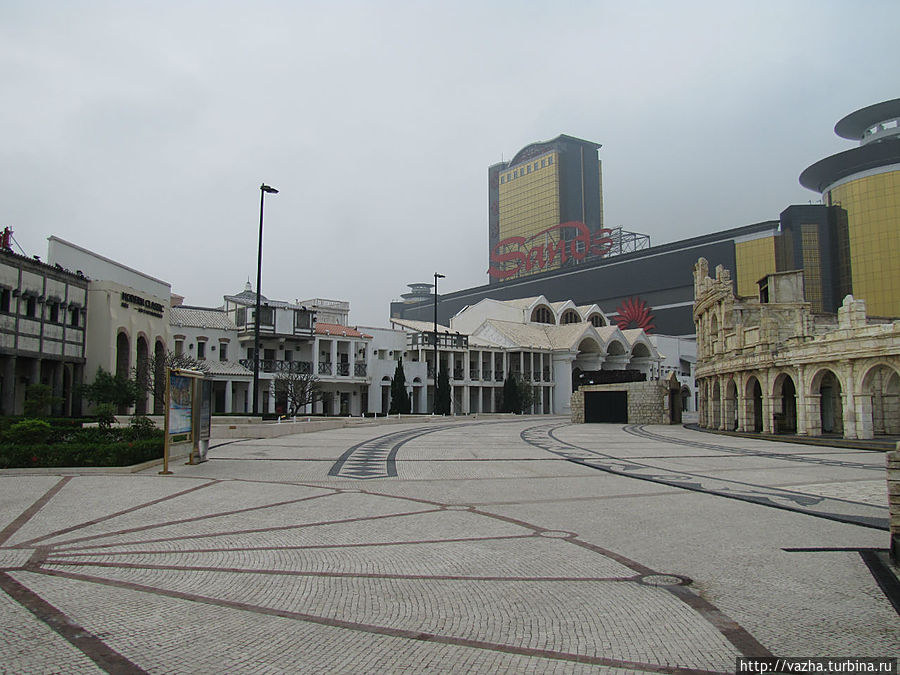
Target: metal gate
x,y
606,406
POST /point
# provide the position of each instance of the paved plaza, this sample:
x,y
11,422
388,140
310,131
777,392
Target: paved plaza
x,y
506,545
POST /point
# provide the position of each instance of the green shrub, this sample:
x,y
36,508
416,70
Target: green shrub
x,y
39,400
29,432
80,453
106,415
141,427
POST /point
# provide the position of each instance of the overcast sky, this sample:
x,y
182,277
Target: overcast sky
x,y
142,130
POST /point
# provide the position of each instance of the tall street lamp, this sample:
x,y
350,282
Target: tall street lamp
x,y
263,189
434,402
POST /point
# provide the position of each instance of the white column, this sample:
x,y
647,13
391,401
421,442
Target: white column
x,y
562,382
228,395
334,356
315,357
352,349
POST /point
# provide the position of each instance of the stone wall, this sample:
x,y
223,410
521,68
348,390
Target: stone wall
x,y
648,402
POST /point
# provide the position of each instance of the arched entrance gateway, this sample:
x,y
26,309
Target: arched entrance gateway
x,y
878,403
142,374
826,408
784,399
123,361
754,403
730,419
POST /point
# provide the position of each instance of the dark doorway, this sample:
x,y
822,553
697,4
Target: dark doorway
x,y
606,406
757,407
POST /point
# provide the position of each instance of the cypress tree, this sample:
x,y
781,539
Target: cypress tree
x,y
400,403
511,401
443,391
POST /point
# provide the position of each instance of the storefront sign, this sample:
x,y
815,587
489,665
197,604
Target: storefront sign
x,y
142,304
585,244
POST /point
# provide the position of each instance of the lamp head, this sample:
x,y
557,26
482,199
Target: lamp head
x,y
269,189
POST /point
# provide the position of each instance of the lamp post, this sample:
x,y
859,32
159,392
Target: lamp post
x,y
436,369
263,189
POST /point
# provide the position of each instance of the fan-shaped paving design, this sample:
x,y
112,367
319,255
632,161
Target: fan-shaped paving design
x,y
238,576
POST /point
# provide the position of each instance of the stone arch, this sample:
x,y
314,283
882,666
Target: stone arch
x,y
142,374
879,401
685,398
123,353
713,331
123,360
784,403
826,408
640,351
616,355
753,402
590,355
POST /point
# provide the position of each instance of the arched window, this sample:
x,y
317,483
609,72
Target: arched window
x,y
570,316
542,314
597,321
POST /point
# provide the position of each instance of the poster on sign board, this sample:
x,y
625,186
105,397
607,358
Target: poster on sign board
x,y
180,402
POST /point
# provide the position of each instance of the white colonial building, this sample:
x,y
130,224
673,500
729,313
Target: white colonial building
x,y
540,342
127,313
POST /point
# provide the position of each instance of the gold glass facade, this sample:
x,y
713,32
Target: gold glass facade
x,y
812,266
872,204
754,259
529,199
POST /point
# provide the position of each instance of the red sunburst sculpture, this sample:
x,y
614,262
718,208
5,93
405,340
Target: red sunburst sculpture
x,y
634,313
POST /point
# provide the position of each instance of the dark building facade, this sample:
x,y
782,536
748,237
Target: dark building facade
x,y
814,238
651,288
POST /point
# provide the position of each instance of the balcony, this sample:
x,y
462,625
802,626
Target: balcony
x,y
343,369
359,369
457,373
277,366
498,376
325,368
445,341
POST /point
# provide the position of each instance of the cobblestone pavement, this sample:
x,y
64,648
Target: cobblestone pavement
x,y
500,546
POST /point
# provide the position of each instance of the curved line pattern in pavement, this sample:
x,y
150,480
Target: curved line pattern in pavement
x,y
856,513
236,575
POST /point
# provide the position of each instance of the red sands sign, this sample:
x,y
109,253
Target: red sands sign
x,y
513,255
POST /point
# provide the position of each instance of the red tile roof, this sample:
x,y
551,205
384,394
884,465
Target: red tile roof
x,y
338,330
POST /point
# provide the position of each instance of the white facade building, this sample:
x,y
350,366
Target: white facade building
x,y
679,356
127,313
541,342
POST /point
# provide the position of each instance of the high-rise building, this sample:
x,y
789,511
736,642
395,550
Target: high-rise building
x,y
863,185
545,208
